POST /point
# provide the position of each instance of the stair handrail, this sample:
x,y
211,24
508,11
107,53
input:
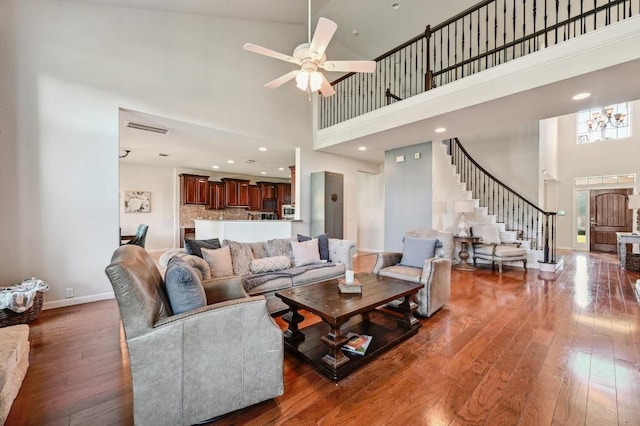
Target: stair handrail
x,y
548,227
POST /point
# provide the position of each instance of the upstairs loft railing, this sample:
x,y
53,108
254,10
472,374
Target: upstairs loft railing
x,y
483,36
530,222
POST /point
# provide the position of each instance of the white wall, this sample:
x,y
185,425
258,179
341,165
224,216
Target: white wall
x,y
593,159
371,205
446,189
510,155
160,182
77,64
311,161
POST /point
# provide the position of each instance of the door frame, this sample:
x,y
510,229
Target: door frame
x,y
574,231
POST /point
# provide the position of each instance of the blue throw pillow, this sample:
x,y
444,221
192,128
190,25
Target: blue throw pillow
x,y
323,245
417,250
184,289
193,246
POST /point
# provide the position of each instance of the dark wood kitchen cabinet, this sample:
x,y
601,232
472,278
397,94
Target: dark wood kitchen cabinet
x,y
255,201
268,190
194,189
216,196
284,193
236,192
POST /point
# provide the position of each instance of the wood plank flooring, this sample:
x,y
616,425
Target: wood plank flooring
x,y
507,349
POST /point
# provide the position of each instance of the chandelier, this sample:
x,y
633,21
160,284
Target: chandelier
x,y
605,118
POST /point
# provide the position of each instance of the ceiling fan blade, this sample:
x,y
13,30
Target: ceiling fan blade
x,y
282,80
326,89
322,36
349,66
270,53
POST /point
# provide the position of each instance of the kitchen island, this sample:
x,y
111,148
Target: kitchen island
x,y
244,231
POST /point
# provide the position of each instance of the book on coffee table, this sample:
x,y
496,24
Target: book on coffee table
x,y
353,287
357,344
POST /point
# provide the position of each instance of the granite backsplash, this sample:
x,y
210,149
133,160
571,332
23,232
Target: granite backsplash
x,y
189,212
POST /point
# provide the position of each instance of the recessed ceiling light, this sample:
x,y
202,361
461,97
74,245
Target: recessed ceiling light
x,y
263,173
580,96
262,148
395,6
250,161
362,148
163,155
230,161
215,167
355,33
280,168
441,130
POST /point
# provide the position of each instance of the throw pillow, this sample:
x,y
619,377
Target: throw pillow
x,y
184,289
323,245
280,247
219,261
194,246
417,250
305,252
269,264
241,257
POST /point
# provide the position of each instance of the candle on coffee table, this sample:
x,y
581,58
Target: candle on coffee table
x,y
348,276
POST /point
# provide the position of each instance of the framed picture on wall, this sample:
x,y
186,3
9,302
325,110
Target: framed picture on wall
x,y
137,201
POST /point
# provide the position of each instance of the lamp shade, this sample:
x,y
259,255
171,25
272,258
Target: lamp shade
x,y
463,206
634,201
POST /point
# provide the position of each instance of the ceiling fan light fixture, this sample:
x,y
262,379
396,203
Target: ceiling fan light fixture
x,y
302,80
315,81
311,81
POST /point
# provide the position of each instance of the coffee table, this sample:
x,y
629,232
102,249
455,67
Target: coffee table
x,y
341,313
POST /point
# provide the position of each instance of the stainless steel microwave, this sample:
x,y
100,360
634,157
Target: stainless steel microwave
x,y
288,211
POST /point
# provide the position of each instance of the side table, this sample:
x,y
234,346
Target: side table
x,y
464,252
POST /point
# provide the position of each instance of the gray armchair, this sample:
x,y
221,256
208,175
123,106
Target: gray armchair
x,y
194,366
435,273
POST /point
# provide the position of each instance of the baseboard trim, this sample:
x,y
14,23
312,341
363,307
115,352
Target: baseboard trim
x,y
77,300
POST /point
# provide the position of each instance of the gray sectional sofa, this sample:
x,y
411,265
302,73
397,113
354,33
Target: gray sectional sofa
x,y
340,258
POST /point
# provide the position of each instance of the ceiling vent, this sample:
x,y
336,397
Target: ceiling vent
x,y
146,127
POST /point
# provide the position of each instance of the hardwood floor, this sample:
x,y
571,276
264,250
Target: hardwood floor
x,y
507,349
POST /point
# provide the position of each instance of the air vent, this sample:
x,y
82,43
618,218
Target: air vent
x,y
146,127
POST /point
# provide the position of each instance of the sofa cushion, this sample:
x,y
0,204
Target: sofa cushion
x,y
305,252
273,284
199,264
417,250
407,273
323,245
184,289
329,271
269,264
193,246
241,256
259,249
219,261
280,247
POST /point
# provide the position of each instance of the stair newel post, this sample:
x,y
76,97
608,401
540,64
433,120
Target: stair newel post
x,y
546,239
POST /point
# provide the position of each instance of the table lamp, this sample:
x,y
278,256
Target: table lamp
x,y
634,203
462,207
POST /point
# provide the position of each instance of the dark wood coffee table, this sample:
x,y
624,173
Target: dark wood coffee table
x,y
321,343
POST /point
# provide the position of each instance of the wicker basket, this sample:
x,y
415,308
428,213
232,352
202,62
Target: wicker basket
x,y
633,262
8,317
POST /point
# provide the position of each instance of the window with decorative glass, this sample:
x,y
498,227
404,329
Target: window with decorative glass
x,y
608,123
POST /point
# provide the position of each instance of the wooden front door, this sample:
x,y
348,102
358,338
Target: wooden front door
x,y
609,214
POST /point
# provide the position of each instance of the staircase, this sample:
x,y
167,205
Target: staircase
x,y
518,219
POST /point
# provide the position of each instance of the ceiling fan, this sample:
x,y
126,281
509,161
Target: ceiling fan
x,y
310,57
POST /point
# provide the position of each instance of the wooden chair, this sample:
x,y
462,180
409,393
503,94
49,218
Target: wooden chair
x,y
492,248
